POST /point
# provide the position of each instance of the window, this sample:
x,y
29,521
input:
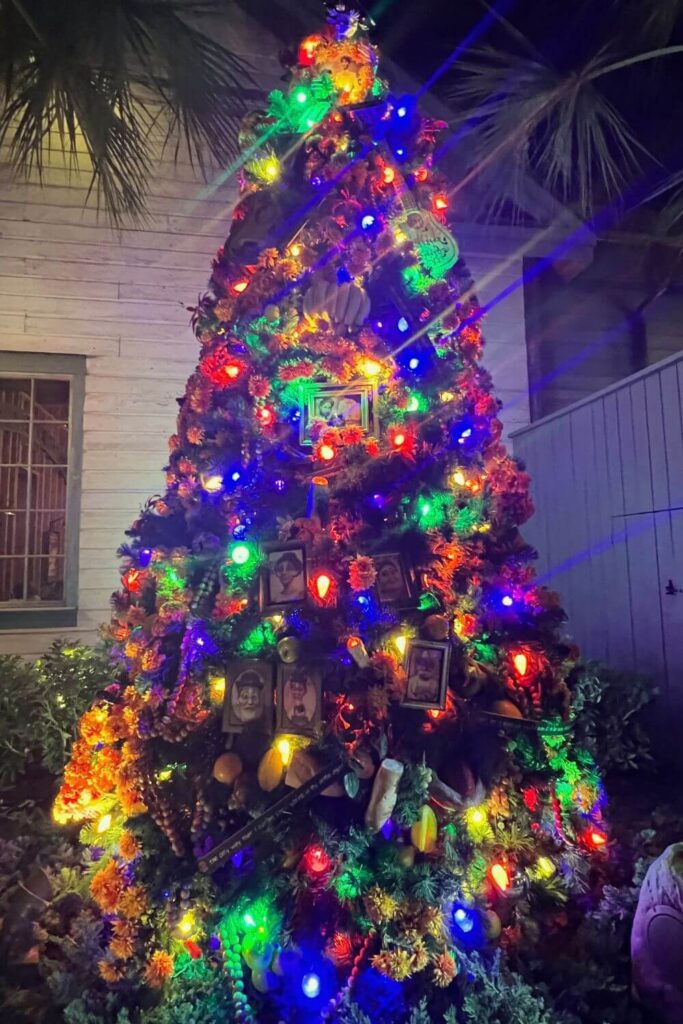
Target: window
x,y
41,412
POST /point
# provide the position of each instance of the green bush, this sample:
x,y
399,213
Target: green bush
x,y
607,710
41,703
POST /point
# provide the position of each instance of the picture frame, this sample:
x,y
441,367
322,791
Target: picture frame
x,y
284,577
426,665
248,700
395,583
338,405
298,699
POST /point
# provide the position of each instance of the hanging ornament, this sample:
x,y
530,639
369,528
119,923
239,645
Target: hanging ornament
x,y
436,627
227,767
424,831
346,305
384,794
289,649
270,770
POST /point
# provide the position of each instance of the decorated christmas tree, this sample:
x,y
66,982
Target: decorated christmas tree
x,y
336,754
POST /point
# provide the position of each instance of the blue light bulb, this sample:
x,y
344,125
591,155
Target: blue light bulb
x,y
403,325
402,111
235,476
279,484
400,151
414,363
367,220
464,920
507,601
310,985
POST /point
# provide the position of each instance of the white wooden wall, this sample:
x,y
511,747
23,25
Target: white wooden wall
x,y
607,481
68,284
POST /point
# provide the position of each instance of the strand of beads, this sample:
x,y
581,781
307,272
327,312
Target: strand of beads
x,y
335,1003
233,968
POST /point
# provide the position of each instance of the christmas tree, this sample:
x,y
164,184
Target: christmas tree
x,y
336,756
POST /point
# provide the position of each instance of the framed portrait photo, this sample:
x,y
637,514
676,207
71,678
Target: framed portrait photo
x,y
299,699
337,405
248,701
426,666
284,577
394,583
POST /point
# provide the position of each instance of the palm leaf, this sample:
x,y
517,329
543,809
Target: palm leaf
x,y
526,117
111,82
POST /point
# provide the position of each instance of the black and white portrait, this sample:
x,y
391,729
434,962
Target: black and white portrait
x,y
283,577
392,584
426,667
299,699
336,405
248,702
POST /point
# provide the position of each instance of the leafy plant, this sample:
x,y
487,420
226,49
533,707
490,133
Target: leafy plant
x,y
607,708
107,77
41,703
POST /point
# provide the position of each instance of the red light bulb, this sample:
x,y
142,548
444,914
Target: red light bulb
x,y
521,663
326,452
500,876
316,861
322,585
440,203
239,285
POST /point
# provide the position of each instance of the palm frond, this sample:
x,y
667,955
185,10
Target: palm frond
x,y
108,83
528,118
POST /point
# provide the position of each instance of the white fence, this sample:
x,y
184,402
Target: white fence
x,y
607,482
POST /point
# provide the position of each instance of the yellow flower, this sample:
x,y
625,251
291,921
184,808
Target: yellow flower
x,y
159,969
420,956
380,905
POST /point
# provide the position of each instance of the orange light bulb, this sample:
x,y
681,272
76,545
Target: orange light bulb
x,y
388,174
327,452
322,585
399,439
239,286
521,663
440,203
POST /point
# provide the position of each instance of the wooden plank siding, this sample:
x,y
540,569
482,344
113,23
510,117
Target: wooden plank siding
x,y
607,482
70,284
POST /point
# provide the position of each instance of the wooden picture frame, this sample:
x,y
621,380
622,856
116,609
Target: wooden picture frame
x,y
426,665
248,700
342,405
298,699
284,577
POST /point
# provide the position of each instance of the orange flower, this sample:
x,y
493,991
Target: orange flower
x,y
133,902
445,969
109,971
362,573
122,943
92,724
159,969
351,435
128,846
106,887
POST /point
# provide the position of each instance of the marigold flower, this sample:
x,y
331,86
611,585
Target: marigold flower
x,y
133,902
122,946
92,724
362,573
109,971
445,969
106,887
129,847
159,969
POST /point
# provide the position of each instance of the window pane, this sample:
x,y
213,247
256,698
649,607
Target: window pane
x,y
13,487
12,532
15,398
48,488
50,444
47,533
14,443
50,399
45,579
11,579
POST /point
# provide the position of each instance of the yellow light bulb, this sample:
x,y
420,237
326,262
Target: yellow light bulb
x,y
284,748
217,689
371,367
446,396
104,823
295,250
400,642
186,924
271,169
476,816
459,478
212,483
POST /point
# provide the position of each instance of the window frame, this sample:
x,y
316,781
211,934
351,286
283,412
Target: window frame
x,y
48,366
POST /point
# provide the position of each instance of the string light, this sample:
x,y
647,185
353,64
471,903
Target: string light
x,y
212,483
239,286
327,452
500,876
322,585
521,663
240,553
187,924
370,367
440,203
400,643
310,985
104,823
284,748
217,689
388,175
